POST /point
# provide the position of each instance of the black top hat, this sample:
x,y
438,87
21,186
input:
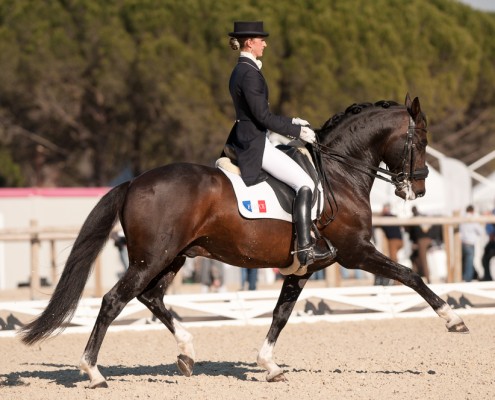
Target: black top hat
x,y
248,29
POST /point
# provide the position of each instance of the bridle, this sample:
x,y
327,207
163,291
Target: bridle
x,y
398,179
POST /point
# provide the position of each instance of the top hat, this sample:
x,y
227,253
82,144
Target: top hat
x,y
248,29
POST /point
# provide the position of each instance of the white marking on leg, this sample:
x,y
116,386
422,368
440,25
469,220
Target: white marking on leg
x,y
265,360
95,377
184,339
450,316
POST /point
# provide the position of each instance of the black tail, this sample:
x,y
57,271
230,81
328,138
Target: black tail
x,y
90,241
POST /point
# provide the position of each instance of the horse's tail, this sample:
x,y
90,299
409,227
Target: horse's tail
x,y
90,241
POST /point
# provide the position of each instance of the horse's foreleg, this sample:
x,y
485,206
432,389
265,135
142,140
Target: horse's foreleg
x,y
153,299
292,287
381,265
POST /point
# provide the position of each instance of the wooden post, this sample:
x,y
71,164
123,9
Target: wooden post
x,y
457,255
176,286
332,275
98,285
447,240
34,280
337,275
457,249
53,262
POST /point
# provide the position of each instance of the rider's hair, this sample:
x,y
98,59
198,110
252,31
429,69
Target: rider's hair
x,y
237,43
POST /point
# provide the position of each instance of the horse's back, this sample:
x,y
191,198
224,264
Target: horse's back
x,y
172,191
175,184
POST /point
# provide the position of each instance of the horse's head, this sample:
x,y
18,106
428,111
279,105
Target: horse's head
x,y
366,134
406,153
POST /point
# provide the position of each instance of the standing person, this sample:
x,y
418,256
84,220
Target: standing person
x,y
394,242
248,136
421,241
489,251
120,242
249,276
470,233
212,276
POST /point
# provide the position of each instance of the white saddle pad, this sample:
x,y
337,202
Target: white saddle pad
x,y
258,201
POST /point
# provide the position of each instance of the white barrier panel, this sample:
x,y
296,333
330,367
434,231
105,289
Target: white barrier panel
x,y
255,307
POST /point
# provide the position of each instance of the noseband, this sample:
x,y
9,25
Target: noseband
x,y
408,172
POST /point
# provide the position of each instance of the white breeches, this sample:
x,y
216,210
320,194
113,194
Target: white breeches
x,y
281,166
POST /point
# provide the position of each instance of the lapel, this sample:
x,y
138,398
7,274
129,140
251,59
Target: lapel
x,y
246,60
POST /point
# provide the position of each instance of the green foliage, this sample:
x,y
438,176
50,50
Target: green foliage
x,y
10,172
117,83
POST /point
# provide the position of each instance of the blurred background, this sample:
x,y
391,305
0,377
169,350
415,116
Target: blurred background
x,y
93,93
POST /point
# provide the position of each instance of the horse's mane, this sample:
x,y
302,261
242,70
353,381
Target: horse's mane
x,y
352,110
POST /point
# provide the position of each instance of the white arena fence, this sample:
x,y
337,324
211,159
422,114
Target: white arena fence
x,y
255,307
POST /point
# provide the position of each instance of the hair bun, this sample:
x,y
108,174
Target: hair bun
x,y
234,43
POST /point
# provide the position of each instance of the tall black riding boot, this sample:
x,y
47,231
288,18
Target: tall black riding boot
x,y
307,250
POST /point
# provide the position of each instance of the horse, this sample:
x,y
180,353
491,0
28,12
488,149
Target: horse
x,y
186,210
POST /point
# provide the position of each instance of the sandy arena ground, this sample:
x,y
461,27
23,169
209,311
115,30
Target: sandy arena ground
x,y
390,359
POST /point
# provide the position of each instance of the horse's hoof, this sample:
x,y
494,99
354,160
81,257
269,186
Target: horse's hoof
x,y
459,328
102,384
278,378
185,364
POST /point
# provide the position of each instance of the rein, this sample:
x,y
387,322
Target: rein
x,y
397,179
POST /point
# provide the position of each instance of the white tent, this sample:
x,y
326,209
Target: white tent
x,y
484,195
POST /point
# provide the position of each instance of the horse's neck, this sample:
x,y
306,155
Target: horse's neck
x,y
355,145
364,135
361,140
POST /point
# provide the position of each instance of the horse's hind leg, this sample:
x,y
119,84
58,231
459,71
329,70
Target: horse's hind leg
x,y
378,264
292,287
135,280
152,298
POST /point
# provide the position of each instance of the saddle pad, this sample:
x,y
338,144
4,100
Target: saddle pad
x,y
258,201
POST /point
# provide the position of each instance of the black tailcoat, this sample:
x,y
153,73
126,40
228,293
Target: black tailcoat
x,y
249,93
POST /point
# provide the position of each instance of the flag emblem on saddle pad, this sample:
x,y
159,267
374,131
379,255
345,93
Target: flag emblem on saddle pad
x,y
247,205
262,206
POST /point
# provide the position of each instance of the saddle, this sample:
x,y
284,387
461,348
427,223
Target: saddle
x,y
272,198
283,193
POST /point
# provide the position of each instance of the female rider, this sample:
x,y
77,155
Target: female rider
x,y
248,137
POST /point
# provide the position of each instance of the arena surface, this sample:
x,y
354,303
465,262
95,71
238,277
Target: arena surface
x,y
389,359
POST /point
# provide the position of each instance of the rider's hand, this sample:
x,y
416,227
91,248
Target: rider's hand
x,y
299,121
307,134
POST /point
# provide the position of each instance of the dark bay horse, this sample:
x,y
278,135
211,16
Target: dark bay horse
x,y
182,210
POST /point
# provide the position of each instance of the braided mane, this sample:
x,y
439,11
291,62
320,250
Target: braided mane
x,y
351,110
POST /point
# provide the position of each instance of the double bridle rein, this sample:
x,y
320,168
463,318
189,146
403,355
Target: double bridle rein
x,y
407,172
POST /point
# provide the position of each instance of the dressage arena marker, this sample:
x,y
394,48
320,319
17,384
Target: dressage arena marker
x,y
255,307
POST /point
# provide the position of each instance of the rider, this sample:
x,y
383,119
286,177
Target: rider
x,y
248,136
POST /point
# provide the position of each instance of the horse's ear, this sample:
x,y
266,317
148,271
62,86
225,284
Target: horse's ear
x,y
415,108
408,101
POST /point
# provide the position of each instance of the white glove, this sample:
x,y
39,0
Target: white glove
x,y
299,121
307,134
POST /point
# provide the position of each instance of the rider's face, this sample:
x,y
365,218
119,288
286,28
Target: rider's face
x,y
257,45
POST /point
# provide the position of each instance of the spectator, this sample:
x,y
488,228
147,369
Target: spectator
x,y
489,251
212,276
249,276
421,241
394,242
470,233
120,242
